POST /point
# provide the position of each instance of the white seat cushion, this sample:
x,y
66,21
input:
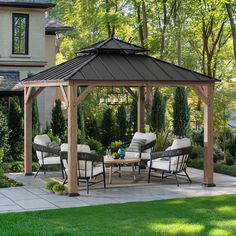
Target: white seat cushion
x,y
133,155
50,160
80,148
162,165
43,140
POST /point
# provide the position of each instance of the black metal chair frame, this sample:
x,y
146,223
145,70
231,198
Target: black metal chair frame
x,y
142,149
87,157
182,155
42,149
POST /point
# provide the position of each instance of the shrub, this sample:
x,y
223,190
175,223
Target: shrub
x,y
35,166
218,154
197,152
17,167
58,188
114,146
1,154
95,145
197,137
91,128
54,138
229,160
4,131
133,116
196,163
49,185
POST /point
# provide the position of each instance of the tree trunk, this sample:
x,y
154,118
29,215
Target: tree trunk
x,y
233,26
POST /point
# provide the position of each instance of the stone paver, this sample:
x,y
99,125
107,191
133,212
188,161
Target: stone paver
x,y
33,195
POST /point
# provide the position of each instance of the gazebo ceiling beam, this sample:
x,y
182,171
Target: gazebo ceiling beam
x,y
27,94
36,93
64,95
201,93
135,97
84,94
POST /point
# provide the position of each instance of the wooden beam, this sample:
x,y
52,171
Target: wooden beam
x,y
45,84
27,132
64,95
208,138
72,140
84,94
135,97
36,93
28,93
141,108
201,93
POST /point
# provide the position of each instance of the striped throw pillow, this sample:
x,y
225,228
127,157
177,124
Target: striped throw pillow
x,y
136,144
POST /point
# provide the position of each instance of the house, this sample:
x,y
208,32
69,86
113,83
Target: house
x,y
27,46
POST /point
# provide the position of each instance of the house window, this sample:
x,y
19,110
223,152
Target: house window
x,y
20,33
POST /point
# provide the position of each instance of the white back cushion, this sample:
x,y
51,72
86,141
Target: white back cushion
x,y
80,148
148,136
43,140
178,143
181,143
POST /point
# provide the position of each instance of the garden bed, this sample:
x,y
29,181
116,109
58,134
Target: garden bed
x,y
5,182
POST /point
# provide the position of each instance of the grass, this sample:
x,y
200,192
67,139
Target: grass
x,y
193,216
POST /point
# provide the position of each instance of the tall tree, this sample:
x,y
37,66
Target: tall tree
x,y
158,111
231,9
122,123
15,121
107,128
181,113
58,123
133,115
35,117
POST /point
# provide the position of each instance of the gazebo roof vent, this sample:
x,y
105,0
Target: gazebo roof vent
x,y
113,45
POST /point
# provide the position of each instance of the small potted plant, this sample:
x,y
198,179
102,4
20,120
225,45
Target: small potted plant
x,y
50,185
58,189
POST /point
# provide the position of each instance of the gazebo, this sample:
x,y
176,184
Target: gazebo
x,y
114,63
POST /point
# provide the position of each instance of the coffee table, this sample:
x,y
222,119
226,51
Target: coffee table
x,y
114,162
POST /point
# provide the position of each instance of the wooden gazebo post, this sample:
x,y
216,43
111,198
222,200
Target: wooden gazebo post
x,y
72,139
140,104
27,131
208,136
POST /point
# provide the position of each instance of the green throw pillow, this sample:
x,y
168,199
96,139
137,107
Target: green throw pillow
x,y
54,145
136,144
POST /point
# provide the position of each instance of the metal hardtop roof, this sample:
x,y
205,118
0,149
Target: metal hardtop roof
x,y
27,3
113,44
115,67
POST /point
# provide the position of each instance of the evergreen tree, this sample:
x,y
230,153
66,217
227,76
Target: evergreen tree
x,y
81,120
107,128
4,131
91,128
58,123
181,113
15,121
158,112
35,117
121,123
133,115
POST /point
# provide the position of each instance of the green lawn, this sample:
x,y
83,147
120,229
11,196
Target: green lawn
x,y
193,216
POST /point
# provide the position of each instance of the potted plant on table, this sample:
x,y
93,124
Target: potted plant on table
x,y
58,189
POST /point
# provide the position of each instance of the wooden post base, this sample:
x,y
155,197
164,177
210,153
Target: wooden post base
x,y
208,185
73,194
29,174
